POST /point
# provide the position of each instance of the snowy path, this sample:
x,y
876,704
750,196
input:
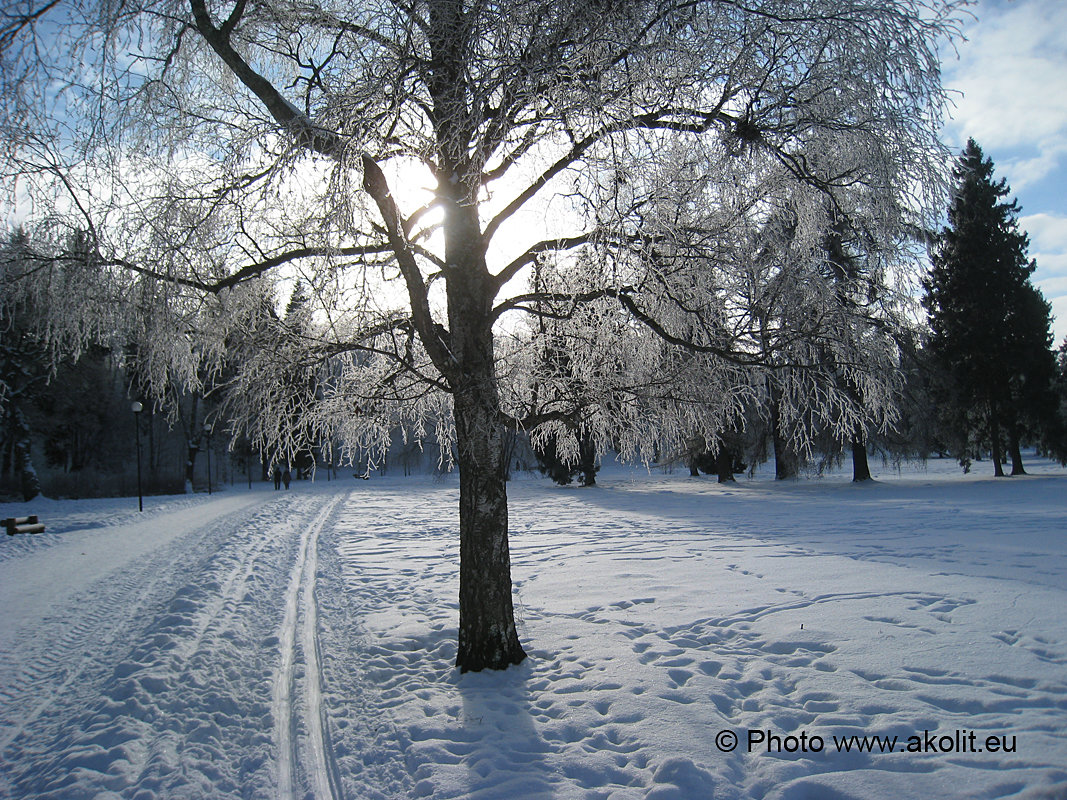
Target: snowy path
x,y
173,670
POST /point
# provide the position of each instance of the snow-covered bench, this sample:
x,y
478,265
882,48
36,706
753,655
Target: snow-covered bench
x,y
28,524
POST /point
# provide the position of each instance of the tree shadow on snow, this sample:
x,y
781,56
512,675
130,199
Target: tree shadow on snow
x,y
509,758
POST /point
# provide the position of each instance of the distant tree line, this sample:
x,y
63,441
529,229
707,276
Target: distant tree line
x,y
66,422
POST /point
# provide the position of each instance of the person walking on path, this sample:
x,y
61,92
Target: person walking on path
x,y
286,477
278,479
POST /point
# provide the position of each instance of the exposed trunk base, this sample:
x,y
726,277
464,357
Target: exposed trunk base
x,y
724,465
190,465
861,469
785,463
1015,451
998,453
29,483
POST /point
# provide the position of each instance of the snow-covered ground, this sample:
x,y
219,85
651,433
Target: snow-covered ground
x,y
258,644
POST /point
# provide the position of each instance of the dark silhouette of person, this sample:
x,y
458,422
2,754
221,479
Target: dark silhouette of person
x,y
278,479
286,477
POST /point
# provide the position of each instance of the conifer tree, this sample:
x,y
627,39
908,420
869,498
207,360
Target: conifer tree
x,y
990,326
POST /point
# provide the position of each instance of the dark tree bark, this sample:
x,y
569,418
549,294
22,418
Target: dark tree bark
x,y
994,436
785,465
861,469
587,463
487,635
1014,449
29,483
785,462
724,464
190,463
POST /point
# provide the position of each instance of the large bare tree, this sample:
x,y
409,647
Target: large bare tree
x,y
626,147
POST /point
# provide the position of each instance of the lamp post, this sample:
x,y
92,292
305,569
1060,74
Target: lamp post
x,y
207,433
136,408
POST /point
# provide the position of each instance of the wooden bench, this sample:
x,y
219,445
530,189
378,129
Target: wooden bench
x,y
28,524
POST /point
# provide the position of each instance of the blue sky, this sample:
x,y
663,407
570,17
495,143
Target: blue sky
x,y
1012,77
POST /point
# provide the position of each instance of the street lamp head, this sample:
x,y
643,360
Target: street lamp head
x,y
136,407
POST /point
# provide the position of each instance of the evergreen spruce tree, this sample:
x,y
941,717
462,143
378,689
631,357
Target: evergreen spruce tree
x,y
989,325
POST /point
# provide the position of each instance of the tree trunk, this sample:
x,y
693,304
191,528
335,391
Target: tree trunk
x,y
785,462
192,439
29,484
587,463
994,435
861,470
724,464
1014,449
697,447
487,635
785,466
7,456
190,462
464,352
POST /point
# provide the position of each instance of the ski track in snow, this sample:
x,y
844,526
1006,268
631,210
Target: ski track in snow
x,y
157,679
300,644
300,604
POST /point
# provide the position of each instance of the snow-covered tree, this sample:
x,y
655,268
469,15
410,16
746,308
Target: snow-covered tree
x,y
826,304
412,160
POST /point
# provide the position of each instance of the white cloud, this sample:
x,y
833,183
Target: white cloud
x,y
1013,75
1048,232
1022,172
1054,288
1048,246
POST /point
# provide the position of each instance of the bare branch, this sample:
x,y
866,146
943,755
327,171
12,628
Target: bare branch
x,y
289,116
431,334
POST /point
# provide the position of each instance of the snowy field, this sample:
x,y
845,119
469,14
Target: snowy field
x,y
261,644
